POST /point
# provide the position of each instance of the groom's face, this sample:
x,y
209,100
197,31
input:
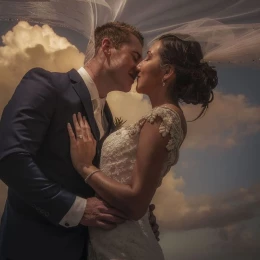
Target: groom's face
x,y
123,64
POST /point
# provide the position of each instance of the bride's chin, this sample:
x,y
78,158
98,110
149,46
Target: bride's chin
x,y
138,89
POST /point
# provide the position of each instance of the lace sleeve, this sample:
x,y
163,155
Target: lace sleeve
x,y
170,125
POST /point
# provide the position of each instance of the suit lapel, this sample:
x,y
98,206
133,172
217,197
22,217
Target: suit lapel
x,y
109,130
109,118
83,93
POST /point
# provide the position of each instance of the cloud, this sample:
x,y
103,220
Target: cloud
x,y
129,106
239,239
175,211
25,47
228,120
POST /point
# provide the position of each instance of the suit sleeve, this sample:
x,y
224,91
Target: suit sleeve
x,y
24,125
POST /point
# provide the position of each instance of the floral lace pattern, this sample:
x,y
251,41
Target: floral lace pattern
x,y
134,239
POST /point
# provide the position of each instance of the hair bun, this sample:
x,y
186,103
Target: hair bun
x,y
198,85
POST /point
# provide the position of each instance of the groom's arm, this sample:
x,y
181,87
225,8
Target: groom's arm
x,y
23,127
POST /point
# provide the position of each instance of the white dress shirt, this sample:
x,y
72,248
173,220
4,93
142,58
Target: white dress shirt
x,y
75,214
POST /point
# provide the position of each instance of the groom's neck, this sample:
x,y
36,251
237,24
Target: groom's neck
x,y
99,76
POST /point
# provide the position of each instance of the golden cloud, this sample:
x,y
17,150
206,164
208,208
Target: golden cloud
x,y
26,47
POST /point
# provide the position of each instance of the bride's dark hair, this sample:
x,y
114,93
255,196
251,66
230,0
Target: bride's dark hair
x,y
195,79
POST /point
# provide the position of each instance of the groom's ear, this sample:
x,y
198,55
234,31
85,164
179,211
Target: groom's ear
x,y
106,46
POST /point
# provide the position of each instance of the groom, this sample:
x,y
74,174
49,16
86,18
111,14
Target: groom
x,y
47,213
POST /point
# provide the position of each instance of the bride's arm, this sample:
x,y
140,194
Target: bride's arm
x,y
132,199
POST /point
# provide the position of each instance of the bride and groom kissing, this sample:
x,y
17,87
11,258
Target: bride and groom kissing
x,y
78,189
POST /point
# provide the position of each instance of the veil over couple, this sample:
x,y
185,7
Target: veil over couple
x,y
78,188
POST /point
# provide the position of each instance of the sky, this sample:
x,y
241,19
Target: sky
x,y
208,206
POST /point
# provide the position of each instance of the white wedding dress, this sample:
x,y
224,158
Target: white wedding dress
x,y
133,240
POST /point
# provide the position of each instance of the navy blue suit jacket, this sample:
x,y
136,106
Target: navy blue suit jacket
x,y
36,166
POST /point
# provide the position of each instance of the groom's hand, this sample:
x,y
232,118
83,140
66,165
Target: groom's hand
x,y
99,214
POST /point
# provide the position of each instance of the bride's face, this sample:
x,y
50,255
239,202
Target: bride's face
x,y
150,72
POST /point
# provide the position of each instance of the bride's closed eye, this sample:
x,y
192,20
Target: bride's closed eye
x,y
148,56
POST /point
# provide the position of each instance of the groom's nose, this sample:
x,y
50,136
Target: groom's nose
x,y
138,67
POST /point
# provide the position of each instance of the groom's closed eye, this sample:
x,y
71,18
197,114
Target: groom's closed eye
x,y
137,56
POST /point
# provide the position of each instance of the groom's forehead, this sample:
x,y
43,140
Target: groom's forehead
x,y
134,45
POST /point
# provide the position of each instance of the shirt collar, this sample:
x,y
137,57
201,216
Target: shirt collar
x,y
89,83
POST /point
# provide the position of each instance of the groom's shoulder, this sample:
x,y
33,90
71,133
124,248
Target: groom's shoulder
x,y
58,80
50,74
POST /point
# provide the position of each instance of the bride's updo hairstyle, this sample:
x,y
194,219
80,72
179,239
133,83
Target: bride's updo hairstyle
x,y
195,79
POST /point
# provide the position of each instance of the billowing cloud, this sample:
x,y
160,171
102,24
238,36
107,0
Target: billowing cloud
x,y
178,212
29,46
228,120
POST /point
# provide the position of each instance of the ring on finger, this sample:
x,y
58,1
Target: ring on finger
x,y
80,136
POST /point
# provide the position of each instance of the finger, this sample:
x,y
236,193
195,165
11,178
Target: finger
x,y
151,207
76,123
157,235
86,122
155,228
106,226
111,219
152,219
87,127
80,120
71,133
114,212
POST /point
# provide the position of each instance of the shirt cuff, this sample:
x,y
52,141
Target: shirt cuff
x,y
75,214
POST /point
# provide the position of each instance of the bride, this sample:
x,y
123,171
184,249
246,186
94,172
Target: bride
x,y
135,158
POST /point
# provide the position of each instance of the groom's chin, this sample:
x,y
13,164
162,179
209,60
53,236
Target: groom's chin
x,y
127,88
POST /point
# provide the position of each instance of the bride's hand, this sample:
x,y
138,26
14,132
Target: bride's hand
x,y
82,145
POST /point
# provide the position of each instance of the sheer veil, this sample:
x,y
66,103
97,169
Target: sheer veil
x,y
228,30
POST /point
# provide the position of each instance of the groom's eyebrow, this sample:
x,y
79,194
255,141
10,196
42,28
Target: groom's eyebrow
x,y
138,54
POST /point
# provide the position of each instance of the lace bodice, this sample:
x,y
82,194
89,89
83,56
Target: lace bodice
x,y
119,150
134,239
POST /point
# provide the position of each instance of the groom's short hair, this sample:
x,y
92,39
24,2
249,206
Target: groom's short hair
x,y
117,32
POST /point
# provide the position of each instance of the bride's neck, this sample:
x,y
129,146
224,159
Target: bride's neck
x,y
159,99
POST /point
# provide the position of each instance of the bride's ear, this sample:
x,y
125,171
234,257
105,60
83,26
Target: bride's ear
x,y
169,72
